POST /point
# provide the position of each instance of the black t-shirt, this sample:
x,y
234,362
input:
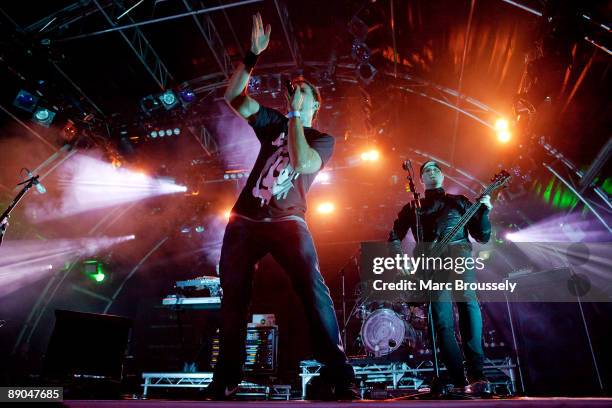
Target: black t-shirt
x,y
274,189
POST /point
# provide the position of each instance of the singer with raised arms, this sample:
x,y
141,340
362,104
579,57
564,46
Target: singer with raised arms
x,y
268,217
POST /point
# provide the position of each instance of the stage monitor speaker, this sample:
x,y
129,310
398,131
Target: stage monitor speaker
x,y
86,346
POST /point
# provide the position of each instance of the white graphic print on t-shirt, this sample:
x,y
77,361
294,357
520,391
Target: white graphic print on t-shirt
x,y
276,177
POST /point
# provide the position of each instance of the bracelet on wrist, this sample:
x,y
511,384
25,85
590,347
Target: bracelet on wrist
x,y
294,114
250,60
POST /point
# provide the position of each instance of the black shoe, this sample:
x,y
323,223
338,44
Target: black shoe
x,y
319,390
348,392
479,388
220,392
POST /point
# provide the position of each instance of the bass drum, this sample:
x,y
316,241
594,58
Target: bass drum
x,y
384,331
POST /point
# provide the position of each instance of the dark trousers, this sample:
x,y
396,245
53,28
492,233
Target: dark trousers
x,y
291,245
470,328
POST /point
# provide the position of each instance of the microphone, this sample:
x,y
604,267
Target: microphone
x,y
290,87
39,187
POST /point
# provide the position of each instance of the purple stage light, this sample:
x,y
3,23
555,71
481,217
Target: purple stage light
x,y
561,228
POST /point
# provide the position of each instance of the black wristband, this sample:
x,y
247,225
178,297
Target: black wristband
x,y
249,61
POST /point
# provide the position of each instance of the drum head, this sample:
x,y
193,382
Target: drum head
x,y
383,332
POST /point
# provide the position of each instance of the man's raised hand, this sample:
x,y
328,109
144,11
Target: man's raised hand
x,y
259,37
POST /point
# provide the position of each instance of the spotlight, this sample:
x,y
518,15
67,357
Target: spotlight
x,y
501,124
370,155
161,133
360,51
187,96
149,104
366,72
511,236
69,131
153,134
235,174
199,229
176,131
255,85
502,127
43,116
94,270
25,100
326,208
323,177
227,214
504,136
99,277
168,99
168,132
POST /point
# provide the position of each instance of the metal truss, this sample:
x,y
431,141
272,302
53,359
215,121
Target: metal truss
x,y
213,39
401,375
175,380
283,13
64,17
142,48
593,197
201,380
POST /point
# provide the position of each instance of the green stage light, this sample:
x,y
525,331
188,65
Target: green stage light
x,y
94,270
99,277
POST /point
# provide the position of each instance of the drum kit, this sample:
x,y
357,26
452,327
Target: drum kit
x,y
388,326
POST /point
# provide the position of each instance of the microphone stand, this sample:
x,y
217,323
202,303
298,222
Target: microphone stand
x,y
27,185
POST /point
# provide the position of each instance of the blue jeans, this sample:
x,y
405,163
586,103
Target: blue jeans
x,y
290,243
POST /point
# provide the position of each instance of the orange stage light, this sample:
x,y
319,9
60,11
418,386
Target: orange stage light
x,y
370,155
326,208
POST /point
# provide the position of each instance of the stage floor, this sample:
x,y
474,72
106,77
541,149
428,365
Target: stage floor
x,y
523,402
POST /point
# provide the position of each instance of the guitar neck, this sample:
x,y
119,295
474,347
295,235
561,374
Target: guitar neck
x,y
440,245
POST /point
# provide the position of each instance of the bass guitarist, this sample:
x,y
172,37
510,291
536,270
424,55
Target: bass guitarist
x,y
439,213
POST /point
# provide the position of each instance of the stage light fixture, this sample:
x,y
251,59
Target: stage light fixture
x,y
168,99
177,131
235,174
360,51
25,100
161,133
326,208
94,270
148,104
168,132
153,134
255,85
366,72
187,96
43,116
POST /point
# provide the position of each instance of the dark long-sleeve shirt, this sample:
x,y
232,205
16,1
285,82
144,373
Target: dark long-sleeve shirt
x,y
440,212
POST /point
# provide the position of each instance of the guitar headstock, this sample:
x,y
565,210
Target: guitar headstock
x,y
500,179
